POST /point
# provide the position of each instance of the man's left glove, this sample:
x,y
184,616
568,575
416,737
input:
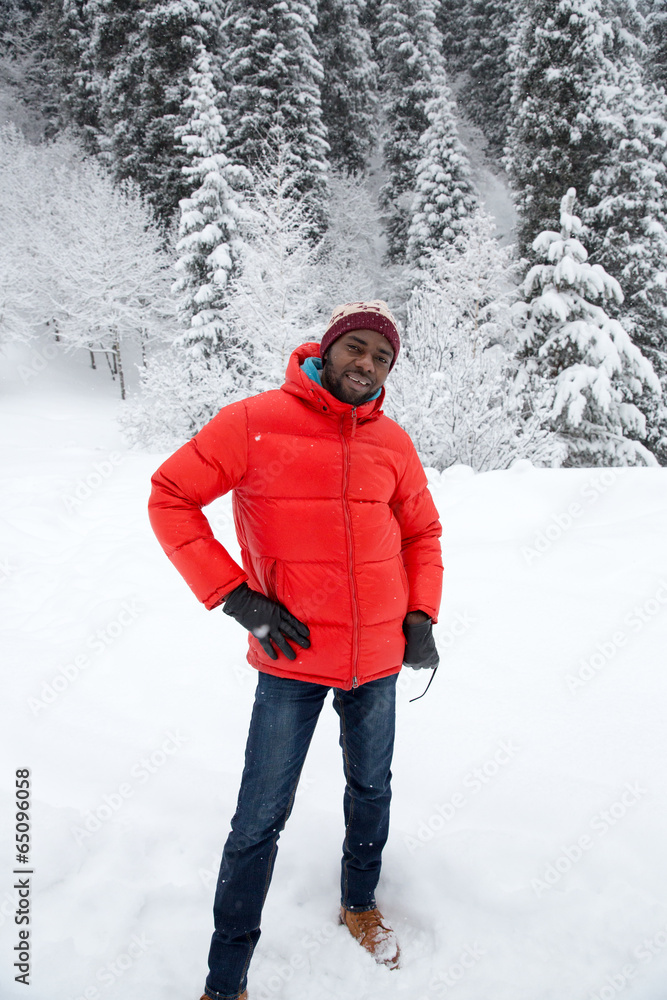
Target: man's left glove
x,y
420,649
269,621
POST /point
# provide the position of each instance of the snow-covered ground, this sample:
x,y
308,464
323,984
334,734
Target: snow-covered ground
x,y
526,860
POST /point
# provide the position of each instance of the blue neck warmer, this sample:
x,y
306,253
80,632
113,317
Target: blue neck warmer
x,y
313,369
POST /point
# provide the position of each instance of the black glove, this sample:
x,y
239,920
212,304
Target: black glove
x,y
267,620
420,651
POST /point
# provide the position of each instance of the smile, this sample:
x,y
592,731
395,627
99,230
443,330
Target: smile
x,y
358,381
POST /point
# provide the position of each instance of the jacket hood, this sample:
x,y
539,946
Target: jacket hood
x,y
298,383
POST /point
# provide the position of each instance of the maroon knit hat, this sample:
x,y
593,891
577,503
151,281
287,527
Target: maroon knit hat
x,y
373,315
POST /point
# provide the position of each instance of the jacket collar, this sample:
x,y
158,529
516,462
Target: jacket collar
x,y
297,383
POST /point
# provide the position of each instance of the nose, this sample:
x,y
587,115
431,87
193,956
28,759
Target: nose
x,y
365,363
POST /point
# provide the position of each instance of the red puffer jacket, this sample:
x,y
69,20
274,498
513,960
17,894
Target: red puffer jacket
x,y
333,517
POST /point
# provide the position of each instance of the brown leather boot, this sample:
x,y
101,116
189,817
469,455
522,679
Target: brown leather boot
x,y
374,934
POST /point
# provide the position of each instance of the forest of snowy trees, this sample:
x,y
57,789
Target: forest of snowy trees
x,y
195,184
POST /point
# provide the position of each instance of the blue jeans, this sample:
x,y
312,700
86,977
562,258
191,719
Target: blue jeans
x,y
283,721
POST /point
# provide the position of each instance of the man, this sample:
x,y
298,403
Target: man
x,y
340,584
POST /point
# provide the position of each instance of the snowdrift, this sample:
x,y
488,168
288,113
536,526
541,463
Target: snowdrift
x,y
529,814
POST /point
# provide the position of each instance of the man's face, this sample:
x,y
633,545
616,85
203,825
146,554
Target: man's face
x,y
356,366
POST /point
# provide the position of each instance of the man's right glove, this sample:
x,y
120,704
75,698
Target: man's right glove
x,y
268,621
420,649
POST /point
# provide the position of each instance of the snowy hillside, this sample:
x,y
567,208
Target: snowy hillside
x,y
529,818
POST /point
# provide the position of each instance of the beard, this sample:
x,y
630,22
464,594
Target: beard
x,y
337,386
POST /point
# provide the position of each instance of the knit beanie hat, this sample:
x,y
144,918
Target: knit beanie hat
x,y
373,315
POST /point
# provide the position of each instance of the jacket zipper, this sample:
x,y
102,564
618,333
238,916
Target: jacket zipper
x,y
350,548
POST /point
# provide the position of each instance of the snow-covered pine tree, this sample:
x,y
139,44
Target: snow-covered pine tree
x,y
457,387
274,301
412,79
628,225
631,17
349,83
143,53
656,37
598,376
562,70
209,232
444,196
272,307
369,11
12,15
75,53
34,41
274,99
16,69
490,27
451,21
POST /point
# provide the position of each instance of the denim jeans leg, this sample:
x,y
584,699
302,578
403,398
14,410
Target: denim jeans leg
x,y
367,725
282,724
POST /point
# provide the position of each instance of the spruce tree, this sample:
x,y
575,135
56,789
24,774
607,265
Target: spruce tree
x,y
274,100
598,376
457,385
452,23
274,301
656,25
76,55
210,243
628,18
349,83
17,20
562,70
32,38
628,226
412,80
143,53
369,19
486,96
444,196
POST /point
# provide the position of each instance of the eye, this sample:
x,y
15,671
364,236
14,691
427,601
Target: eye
x,y
382,360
